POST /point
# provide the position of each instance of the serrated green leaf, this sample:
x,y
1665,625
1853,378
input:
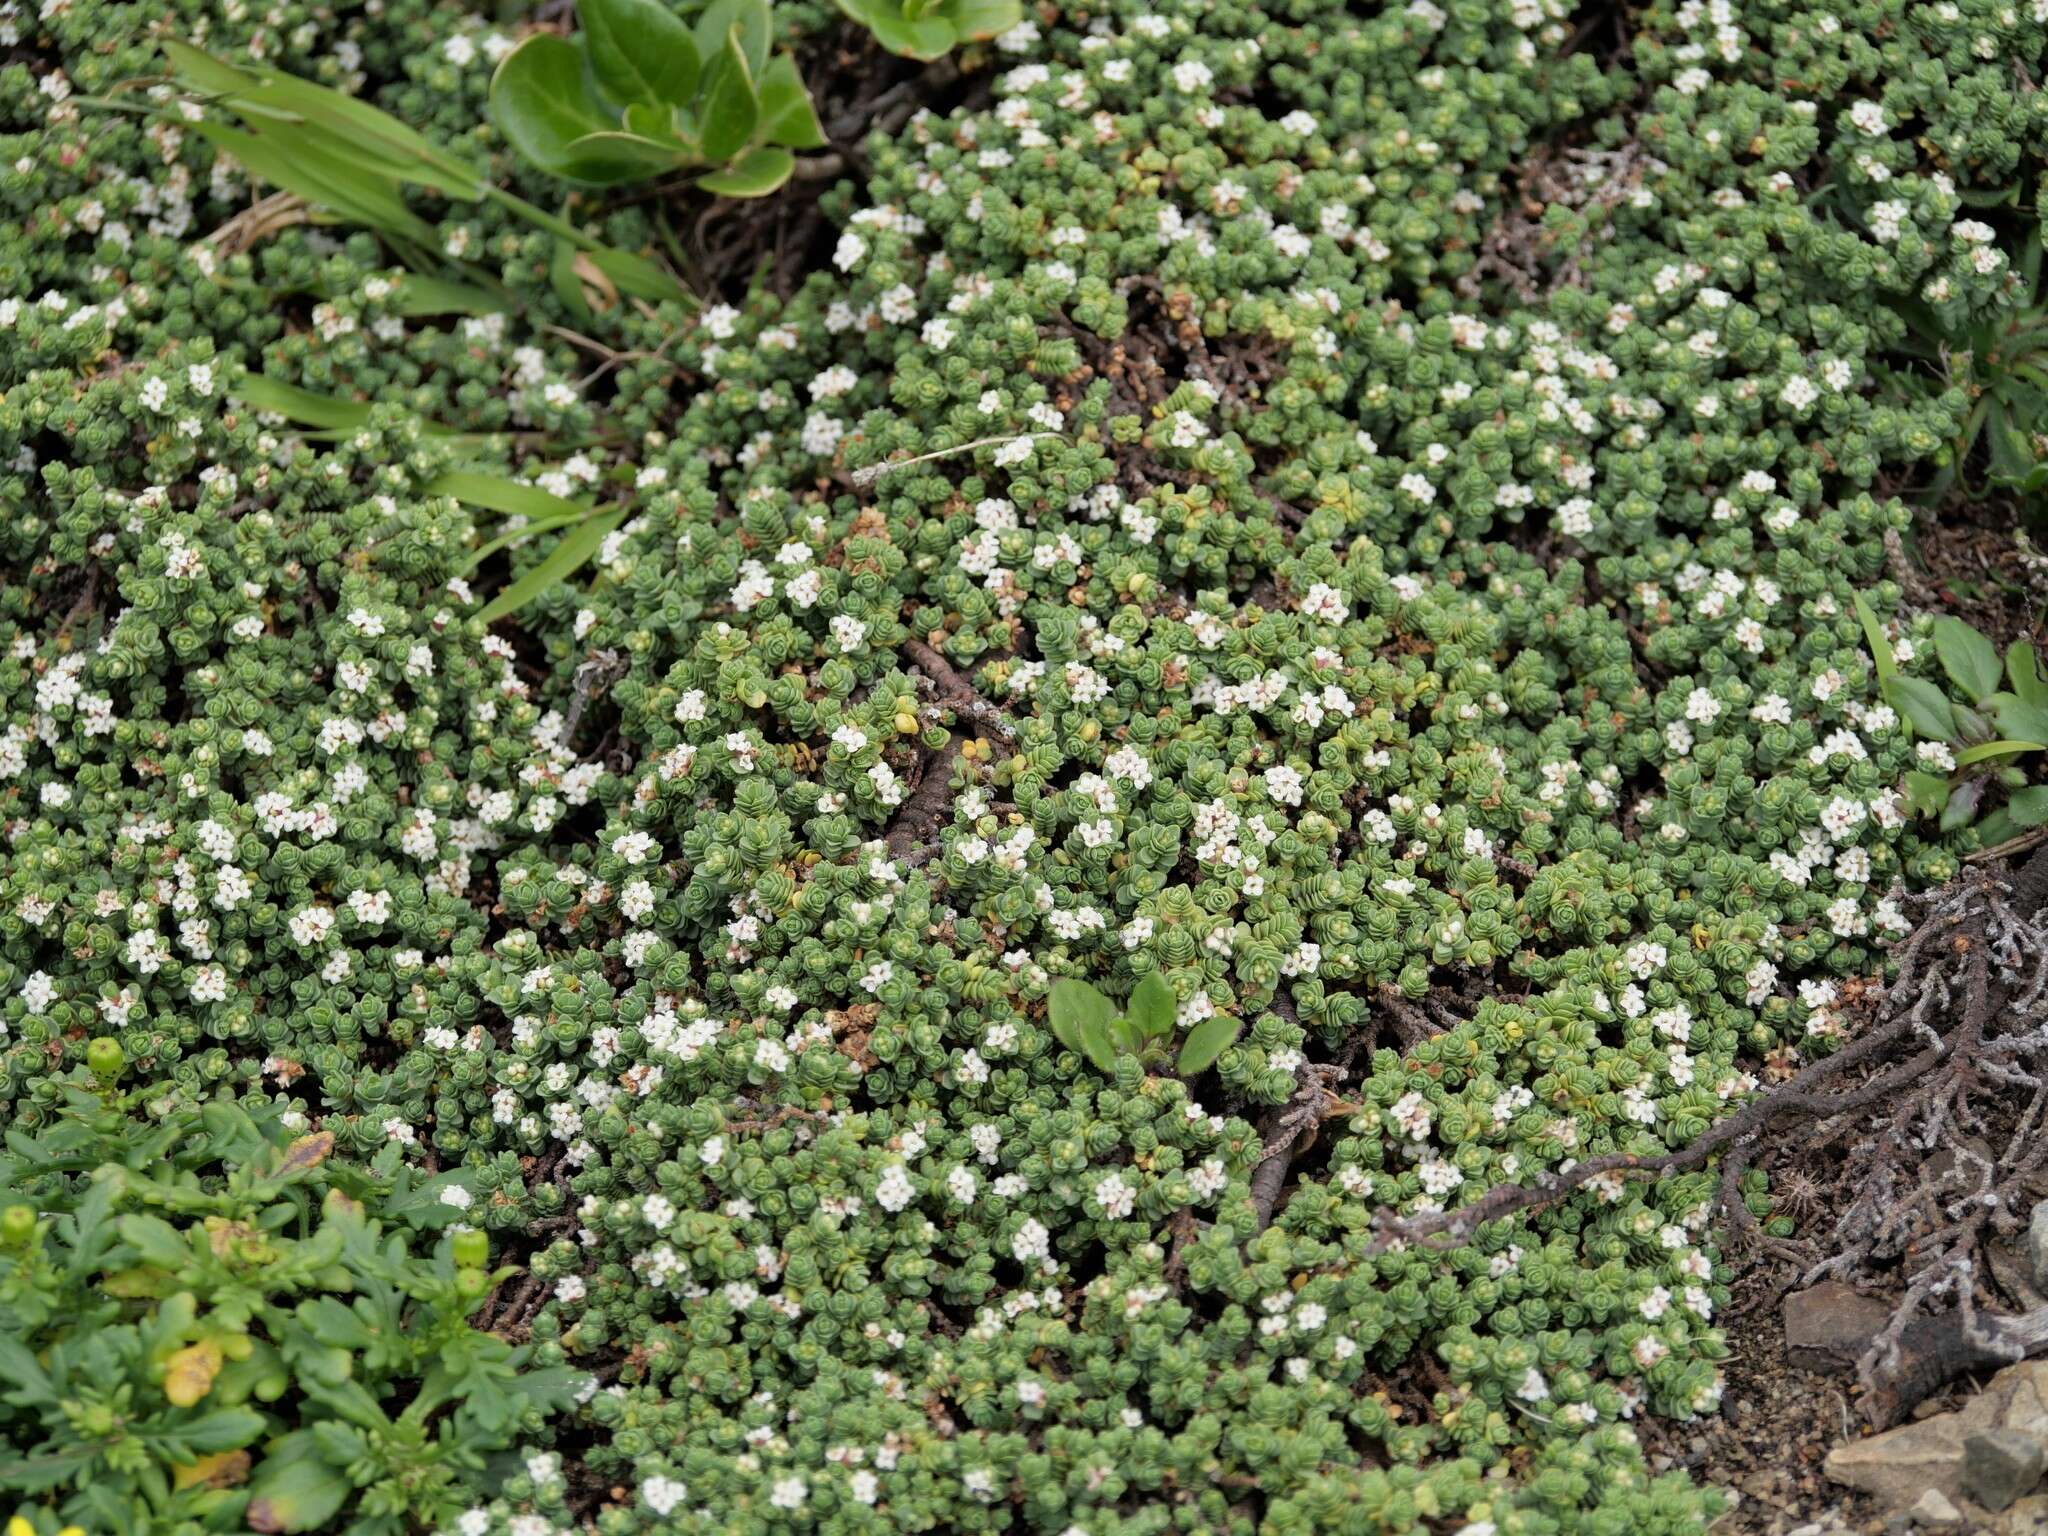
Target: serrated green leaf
x,y
2017,718
1071,1004
755,174
571,553
639,50
1097,1044
1963,800
1207,1041
1925,707
1152,1006
1970,660
2022,666
2029,807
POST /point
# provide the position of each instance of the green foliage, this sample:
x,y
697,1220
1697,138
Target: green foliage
x,y
207,1325
930,29
1977,730
343,155
1377,612
636,94
1999,361
1085,1021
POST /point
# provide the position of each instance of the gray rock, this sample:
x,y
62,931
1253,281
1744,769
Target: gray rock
x,y
1828,1326
1932,1511
2000,1466
1901,1464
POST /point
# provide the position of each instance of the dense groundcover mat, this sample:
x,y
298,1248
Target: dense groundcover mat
x,y
1359,534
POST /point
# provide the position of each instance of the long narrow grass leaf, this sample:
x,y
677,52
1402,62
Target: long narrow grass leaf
x,y
571,553
497,494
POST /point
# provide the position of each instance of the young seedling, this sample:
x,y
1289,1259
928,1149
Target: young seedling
x,y
1085,1021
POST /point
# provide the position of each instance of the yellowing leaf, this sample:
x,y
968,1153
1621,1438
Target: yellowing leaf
x,y
131,1283
307,1153
223,1469
188,1375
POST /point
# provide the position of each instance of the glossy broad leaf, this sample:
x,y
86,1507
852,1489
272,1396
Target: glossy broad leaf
x,y
639,51
539,103
787,115
730,108
975,20
755,174
753,22
607,159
